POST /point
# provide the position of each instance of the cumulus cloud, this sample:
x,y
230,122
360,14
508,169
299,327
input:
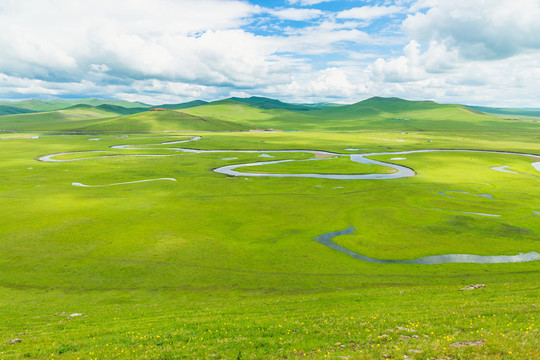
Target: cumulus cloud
x,y
369,12
175,42
211,58
14,87
179,50
99,67
478,29
296,14
330,83
416,65
473,52
402,69
320,39
61,39
307,2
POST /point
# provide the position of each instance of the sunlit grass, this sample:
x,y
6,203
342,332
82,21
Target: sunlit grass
x,y
224,267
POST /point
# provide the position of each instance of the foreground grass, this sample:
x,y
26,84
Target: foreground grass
x,y
369,323
212,266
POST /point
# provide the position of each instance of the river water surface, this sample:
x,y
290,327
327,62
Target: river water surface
x,y
328,240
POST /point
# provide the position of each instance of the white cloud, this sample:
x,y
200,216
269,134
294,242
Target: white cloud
x,y
99,67
474,51
296,14
441,75
307,2
416,65
13,86
330,83
161,92
478,29
402,69
183,41
324,38
213,57
55,39
369,12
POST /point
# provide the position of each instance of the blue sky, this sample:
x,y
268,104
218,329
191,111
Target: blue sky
x,y
484,52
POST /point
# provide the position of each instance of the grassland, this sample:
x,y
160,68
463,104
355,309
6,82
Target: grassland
x,y
165,121
66,119
59,104
331,165
509,113
90,119
371,114
257,113
217,267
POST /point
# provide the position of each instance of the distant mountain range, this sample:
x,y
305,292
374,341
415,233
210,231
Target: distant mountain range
x,y
27,106
509,112
236,113
58,104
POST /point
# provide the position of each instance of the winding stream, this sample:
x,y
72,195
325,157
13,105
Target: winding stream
x,y
503,169
327,239
123,183
400,171
444,193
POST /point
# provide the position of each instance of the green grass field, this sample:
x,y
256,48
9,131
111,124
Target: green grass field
x,y
217,267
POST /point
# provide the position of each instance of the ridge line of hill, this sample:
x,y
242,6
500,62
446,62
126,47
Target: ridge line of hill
x,y
214,123
262,113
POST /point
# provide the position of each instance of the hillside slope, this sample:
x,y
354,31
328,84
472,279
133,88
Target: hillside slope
x,y
232,110
526,114
12,110
165,120
116,109
235,114
58,104
399,114
185,105
371,114
67,119
267,103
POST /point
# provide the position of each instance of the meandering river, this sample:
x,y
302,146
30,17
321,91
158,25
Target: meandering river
x,y
231,170
327,238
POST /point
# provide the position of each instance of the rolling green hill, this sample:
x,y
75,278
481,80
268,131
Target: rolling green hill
x,y
266,103
114,118
376,113
67,119
182,105
232,110
371,114
58,104
394,113
532,114
166,120
11,110
321,105
116,109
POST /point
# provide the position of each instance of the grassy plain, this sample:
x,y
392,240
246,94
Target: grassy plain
x,y
372,114
226,266
217,267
